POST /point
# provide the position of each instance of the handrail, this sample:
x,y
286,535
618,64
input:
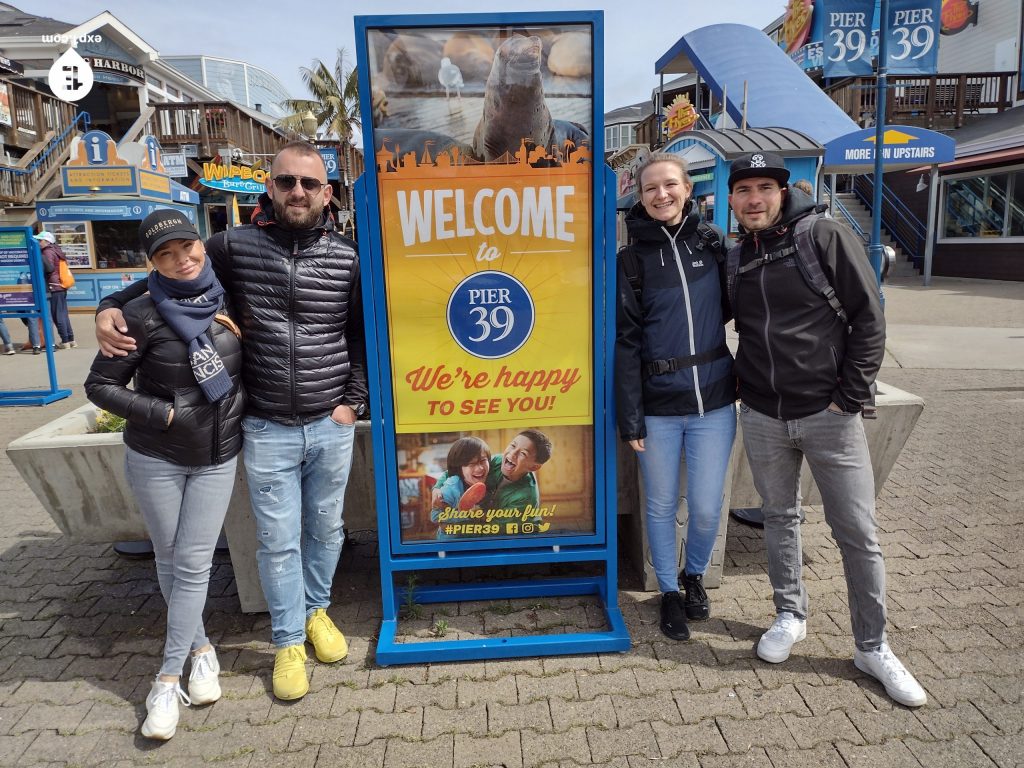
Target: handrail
x,y
845,213
905,228
17,183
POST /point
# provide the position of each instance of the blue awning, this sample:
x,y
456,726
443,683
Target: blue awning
x,y
778,91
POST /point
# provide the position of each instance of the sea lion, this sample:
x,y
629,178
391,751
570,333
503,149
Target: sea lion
x,y
570,55
514,107
472,54
412,61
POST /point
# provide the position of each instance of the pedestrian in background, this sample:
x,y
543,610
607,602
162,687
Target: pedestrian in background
x,y
55,291
674,387
182,442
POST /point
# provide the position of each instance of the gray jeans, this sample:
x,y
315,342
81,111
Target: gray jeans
x,y
837,453
183,508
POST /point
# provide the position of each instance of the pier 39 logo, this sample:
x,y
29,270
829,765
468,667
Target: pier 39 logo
x,y
490,314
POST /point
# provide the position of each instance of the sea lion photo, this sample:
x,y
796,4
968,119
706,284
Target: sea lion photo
x,y
514,107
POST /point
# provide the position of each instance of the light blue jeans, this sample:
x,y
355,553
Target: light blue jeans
x,y
183,508
836,450
706,442
5,335
297,478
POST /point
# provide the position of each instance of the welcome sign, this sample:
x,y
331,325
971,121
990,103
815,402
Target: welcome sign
x,y
483,246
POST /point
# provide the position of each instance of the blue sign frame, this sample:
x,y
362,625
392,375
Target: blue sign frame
x,y
397,557
39,310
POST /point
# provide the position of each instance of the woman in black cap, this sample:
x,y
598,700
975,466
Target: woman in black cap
x,y
182,438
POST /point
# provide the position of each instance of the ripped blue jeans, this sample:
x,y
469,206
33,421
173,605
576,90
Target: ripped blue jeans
x,y
297,478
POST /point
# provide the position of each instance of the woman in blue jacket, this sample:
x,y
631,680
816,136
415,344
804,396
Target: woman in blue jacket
x,y
674,383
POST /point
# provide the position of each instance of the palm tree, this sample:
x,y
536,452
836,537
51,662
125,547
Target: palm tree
x,y
334,106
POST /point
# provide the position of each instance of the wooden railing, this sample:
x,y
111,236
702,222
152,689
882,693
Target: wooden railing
x,y
34,115
937,101
23,180
212,125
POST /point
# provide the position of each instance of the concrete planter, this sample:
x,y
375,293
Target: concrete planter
x,y
898,412
78,477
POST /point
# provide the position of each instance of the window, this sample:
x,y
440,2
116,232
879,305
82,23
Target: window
x,y
985,206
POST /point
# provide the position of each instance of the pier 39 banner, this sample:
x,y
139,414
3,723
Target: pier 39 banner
x,y
485,177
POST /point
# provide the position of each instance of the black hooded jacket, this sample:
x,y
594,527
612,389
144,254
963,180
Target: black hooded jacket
x,y
795,354
296,297
681,312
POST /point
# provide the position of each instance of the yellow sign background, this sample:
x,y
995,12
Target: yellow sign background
x,y
438,386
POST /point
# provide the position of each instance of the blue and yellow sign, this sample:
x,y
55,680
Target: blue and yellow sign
x,y
904,146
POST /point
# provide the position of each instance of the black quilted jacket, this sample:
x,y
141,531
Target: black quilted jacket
x,y
202,433
295,294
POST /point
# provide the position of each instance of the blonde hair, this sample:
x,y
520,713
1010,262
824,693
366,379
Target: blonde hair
x,y
662,157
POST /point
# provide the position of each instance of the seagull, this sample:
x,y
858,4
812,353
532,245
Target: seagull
x,y
450,76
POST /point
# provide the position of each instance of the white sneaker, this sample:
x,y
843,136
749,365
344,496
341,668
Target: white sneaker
x,y
775,644
162,710
882,664
203,680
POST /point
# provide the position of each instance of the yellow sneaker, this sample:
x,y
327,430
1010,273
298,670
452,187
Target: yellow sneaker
x,y
290,673
327,640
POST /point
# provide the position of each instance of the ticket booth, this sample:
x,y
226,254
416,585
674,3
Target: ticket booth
x,y
108,190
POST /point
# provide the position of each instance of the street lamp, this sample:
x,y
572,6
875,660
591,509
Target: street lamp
x,y
310,124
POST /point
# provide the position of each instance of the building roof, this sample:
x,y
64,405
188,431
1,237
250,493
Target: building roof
x,y
732,142
778,91
632,113
991,133
16,23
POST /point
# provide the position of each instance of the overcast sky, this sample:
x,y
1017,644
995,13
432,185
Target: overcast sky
x,y
281,36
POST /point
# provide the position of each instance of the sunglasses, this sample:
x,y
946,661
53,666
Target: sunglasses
x,y
285,182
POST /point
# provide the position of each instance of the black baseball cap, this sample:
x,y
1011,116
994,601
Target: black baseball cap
x,y
759,164
163,225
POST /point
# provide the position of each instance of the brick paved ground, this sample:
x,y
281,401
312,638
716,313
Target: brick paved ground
x,y
80,629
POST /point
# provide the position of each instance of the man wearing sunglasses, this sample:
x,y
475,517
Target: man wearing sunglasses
x,y
293,283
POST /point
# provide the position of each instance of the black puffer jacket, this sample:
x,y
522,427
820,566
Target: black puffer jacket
x,y
680,314
202,433
296,296
795,355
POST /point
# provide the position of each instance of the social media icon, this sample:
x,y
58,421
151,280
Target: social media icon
x,y
70,77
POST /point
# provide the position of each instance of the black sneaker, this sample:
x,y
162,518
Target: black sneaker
x,y
673,617
698,607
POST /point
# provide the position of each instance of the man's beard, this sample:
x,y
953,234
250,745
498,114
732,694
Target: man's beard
x,y
295,218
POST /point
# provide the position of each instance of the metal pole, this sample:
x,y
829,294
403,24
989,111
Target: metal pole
x,y
933,206
875,249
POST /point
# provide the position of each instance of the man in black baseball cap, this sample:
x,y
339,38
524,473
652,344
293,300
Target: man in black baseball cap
x,y
806,362
163,225
754,164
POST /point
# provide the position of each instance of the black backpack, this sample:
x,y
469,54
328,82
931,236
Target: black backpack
x,y
708,236
807,261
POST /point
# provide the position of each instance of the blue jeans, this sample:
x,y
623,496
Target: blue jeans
x,y
60,317
33,331
297,478
837,453
5,335
183,508
706,443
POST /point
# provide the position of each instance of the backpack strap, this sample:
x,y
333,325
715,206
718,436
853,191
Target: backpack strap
x,y
806,257
631,267
810,265
658,367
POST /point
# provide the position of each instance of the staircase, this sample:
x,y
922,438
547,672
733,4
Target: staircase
x,y
903,266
